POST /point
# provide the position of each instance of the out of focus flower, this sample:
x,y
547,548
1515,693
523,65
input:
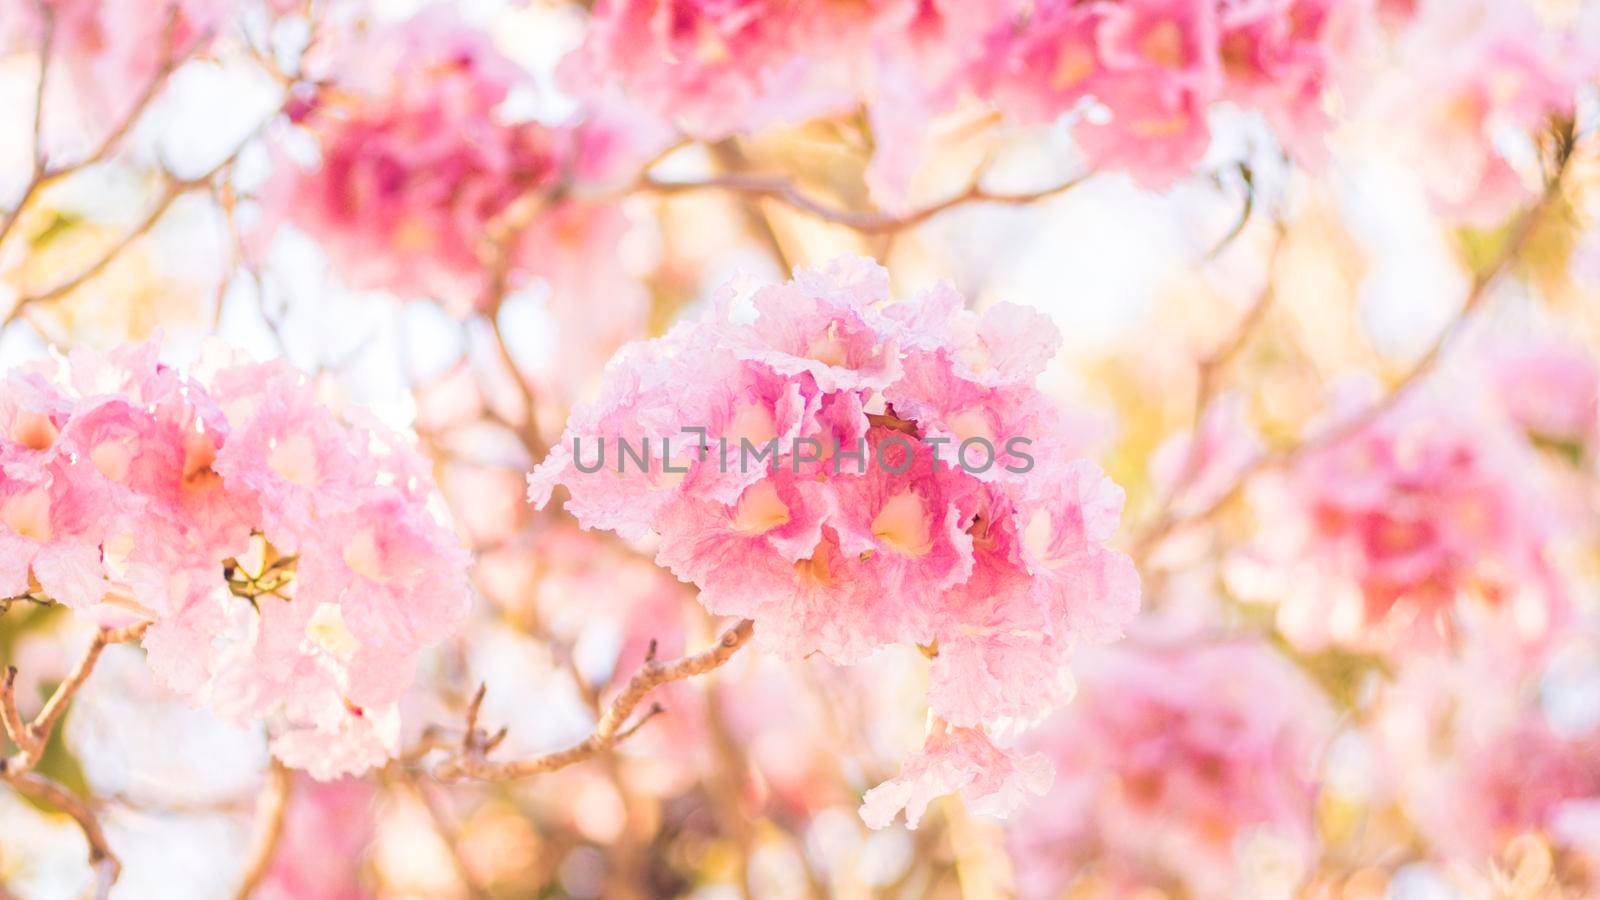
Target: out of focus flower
x,y
1177,762
1551,389
1479,761
130,489
713,67
416,162
326,831
1396,534
914,486
1486,75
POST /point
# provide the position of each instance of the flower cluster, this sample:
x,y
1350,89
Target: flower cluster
x,y
287,560
1484,75
1178,756
1486,749
1399,532
1157,66
908,485
419,169
1153,66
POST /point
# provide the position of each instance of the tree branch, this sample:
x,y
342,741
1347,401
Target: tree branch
x,y
31,739
105,864
471,760
784,191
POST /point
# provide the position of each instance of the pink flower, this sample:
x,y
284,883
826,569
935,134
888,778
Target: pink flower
x,y
326,831
991,780
1172,757
1502,75
417,163
1044,66
286,558
954,519
1407,529
1551,389
713,67
1478,756
1279,55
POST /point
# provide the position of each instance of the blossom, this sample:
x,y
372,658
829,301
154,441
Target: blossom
x,y
1550,388
327,829
286,559
1492,72
1398,533
714,67
1174,754
991,780
1481,753
417,165
912,487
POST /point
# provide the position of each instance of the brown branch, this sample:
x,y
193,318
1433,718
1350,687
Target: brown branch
x,y
10,716
613,728
31,739
784,191
102,861
271,807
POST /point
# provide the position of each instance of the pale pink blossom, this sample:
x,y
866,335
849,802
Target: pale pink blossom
x,y
992,780
1551,388
1403,532
713,67
1174,756
1485,75
285,557
860,529
326,831
417,162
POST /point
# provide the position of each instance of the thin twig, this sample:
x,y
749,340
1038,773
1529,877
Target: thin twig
x,y
32,738
271,807
613,728
102,861
175,188
784,191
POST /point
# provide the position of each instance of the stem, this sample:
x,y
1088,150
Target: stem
x,y
612,729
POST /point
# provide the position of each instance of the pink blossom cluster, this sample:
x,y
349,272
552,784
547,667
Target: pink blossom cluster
x,y
424,185
1176,757
1154,67
862,529
1401,532
287,560
1483,748
1475,76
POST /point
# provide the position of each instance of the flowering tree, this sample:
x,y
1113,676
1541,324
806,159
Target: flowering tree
x,y
636,449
